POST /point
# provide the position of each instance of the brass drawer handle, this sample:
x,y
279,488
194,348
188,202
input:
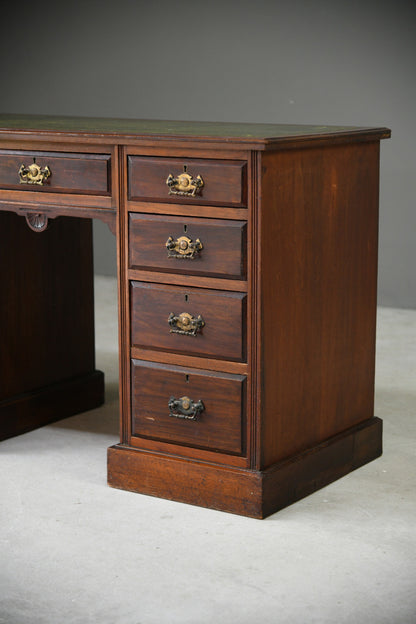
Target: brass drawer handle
x,y
185,408
185,324
183,247
34,174
184,184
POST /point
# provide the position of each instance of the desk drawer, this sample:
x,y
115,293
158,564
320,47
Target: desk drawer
x,y
221,250
192,321
57,172
212,418
200,181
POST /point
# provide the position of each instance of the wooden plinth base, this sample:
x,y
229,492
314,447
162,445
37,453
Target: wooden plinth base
x,y
31,410
245,492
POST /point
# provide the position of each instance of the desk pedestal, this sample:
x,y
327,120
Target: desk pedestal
x,y
247,291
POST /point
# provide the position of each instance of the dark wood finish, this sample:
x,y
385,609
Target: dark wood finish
x,y
47,303
302,474
224,180
48,404
201,454
47,316
222,336
194,361
190,210
223,253
70,172
123,303
186,481
246,492
187,280
288,221
318,310
221,136
219,427
53,202
51,211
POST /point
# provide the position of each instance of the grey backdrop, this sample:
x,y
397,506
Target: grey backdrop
x,y
299,61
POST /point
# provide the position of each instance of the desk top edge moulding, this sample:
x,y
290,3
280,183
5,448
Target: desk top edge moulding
x,y
247,282
261,133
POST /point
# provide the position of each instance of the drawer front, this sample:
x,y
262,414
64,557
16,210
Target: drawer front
x,y
191,321
213,418
57,172
221,250
216,182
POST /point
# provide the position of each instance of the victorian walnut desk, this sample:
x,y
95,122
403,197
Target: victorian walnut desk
x,y
247,265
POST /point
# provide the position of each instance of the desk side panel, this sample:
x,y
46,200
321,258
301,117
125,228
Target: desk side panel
x,y
319,234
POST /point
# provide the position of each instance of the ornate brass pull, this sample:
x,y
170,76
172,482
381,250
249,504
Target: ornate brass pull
x,y
185,408
185,324
34,174
184,184
183,247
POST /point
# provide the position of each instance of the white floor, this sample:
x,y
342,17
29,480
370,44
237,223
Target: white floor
x,y
74,551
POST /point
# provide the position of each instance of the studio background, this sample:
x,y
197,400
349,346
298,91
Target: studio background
x,y
322,62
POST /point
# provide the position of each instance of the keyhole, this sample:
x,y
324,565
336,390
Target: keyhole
x,y
187,378
186,298
185,167
185,228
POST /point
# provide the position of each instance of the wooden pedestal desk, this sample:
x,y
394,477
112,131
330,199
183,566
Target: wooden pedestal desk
x,y
247,265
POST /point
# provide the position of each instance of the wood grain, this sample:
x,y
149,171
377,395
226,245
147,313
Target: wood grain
x,y
286,277
223,253
194,361
220,426
188,280
225,133
252,493
188,210
70,172
318,294
224,314
224,180
192,482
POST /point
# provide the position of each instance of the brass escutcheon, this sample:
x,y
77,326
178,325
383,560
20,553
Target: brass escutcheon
x,y
185,408
186,403
185,324
34,174
183,247
184,184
